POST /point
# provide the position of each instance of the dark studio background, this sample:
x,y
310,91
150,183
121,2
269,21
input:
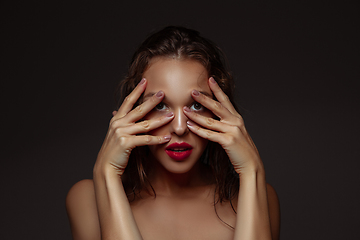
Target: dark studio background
x,y
296,65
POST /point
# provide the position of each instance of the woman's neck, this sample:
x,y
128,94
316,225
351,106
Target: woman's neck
x,y
173,184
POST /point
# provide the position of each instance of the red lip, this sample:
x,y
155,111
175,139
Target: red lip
x,y
179,151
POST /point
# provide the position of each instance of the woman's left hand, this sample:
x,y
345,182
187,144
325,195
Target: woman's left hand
x,y
229,131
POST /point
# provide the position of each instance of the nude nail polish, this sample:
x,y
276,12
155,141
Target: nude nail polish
x,y
142,81
212,80
159,94
196,93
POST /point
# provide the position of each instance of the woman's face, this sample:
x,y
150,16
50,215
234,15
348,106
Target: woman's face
x,y
177,79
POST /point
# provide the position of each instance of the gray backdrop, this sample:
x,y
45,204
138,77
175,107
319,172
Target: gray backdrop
x,y
296,65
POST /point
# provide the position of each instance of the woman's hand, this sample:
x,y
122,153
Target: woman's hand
x,y
125,132
229,131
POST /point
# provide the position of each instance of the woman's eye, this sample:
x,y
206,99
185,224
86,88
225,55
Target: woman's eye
x,y
196,106
160,106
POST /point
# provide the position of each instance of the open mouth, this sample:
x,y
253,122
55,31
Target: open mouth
x,y
179,151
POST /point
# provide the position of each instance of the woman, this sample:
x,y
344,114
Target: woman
x,y
177,161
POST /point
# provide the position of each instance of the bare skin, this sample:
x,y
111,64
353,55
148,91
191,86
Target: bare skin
x,y
183,207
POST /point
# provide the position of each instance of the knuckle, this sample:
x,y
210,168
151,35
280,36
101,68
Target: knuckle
x,y
210,121
208,134
112,128
237,131
127,99
127,152
145,124
122,140
118,133
240,122
147,139
112,124
126,143
139,108
217,105
230,140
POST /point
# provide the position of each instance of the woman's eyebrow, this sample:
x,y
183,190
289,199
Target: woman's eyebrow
x,y
150,94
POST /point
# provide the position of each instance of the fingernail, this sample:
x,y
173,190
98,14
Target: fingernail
x,y
189,123
170,114
160,94
186,109
167,137
142,81
212,80
196,93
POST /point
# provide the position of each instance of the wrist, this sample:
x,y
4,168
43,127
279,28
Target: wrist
x,y
105,171
256,170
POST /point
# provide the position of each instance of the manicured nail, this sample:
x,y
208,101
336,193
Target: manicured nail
x,y
160,94
170,114
212,80
189,123
167,137
196,93
186,109
142,81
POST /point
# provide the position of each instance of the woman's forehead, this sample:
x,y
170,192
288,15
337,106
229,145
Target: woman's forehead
x,y
176,77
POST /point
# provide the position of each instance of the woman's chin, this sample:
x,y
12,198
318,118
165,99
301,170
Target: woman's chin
x,y
174,165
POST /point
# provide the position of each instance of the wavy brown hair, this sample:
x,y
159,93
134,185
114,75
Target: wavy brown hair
x,y
183,44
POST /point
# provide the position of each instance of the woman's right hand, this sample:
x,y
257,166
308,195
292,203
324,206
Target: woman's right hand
x,y
122,136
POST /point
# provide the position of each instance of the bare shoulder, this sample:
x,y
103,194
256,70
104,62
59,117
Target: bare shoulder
x,y
274,211
82,195
83,187
272,195
82,211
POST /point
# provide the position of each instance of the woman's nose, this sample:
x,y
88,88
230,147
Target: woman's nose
x,y
178,124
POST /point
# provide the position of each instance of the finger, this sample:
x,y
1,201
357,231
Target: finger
x,y
114,113
216,107
224,140
140,111
148,125
204,133
131,99
221,96
206,122
144,140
